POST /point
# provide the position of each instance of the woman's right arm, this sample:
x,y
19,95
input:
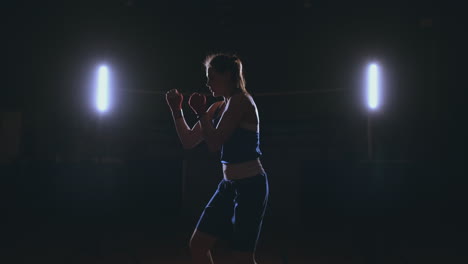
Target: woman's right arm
x,y
189,137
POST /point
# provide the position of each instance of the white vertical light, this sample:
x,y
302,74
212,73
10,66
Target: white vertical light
x,y
102,92
373,86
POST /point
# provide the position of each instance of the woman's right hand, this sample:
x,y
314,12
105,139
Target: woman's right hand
x,y
174,100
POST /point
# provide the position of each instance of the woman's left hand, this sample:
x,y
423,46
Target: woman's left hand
x,y
198,103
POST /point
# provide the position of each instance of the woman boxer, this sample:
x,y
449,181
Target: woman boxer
x,y
231,126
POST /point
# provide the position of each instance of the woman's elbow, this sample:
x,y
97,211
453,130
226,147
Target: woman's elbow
x,y
214,143
190,142
188,146
214,147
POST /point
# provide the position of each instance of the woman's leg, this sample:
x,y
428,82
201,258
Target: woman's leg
x,y
200,247
214,223
250,205
241,257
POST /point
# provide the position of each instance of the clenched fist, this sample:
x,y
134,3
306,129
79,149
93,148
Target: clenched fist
x,y
198,103
174,100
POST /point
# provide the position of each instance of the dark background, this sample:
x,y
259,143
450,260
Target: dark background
x,y
119,187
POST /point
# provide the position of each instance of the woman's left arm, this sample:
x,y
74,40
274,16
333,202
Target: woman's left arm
x,y
216,136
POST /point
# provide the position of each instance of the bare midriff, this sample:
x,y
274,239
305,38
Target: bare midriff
x,y
236,171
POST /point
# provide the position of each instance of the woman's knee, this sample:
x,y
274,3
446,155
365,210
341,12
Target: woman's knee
x,y
201,242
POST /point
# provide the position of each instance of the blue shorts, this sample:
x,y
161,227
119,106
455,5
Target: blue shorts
x,y
235,212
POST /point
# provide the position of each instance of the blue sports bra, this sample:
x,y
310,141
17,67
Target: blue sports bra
x,y
243,145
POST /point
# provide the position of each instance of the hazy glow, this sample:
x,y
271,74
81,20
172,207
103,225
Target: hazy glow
x,y
102,91
373,86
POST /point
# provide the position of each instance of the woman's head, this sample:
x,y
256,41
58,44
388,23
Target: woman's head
x,y
224,74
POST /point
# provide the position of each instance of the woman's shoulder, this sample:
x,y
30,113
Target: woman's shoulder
x,y
242,98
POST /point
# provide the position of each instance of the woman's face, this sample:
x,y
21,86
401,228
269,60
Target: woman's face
x,y
219,83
